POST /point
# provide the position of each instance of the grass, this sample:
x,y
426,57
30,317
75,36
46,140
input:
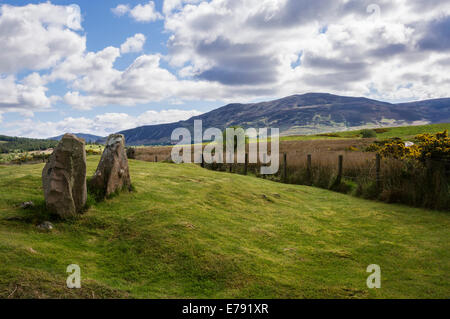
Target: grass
x,y
188,232
309,137
94,147
404,132
6,158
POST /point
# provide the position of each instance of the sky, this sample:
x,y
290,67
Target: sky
x,y
100,67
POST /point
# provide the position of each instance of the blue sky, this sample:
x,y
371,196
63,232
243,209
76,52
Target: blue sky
x,y
103,66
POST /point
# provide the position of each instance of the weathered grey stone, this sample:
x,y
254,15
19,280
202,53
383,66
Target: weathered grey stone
x,y
112,173
64,178
27,205
45,226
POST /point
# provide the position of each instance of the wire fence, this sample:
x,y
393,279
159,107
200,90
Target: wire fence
x,y
364,174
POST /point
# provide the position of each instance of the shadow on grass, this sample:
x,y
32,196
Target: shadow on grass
x,y
96,195
34,215
38,213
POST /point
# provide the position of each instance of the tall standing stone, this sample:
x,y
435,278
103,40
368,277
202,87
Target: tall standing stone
x,y
112,172
64,178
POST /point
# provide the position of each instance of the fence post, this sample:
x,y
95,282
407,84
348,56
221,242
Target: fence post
x,y
230,168
429,174
339,177
246,164
264,163
378,172
156,158
202,164
285,167
309,168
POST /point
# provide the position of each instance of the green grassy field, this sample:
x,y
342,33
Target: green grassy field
x,y
187,232
404,132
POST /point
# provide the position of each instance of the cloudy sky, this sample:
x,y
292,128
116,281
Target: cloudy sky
x,y
103,66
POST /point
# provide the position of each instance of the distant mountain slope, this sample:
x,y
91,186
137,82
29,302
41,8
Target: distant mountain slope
x,y
304,114
89,138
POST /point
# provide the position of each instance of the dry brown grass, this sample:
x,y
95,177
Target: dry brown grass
x,y
292,148
152,153
324,154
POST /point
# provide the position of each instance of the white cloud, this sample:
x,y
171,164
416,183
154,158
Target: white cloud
x,y
281,47
145,13
25,96
103,124
95,82
140,13
36,37
165,116
121,9
133,44
94,65
170,5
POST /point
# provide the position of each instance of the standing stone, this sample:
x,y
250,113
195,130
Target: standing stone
x,y
64,178
112,172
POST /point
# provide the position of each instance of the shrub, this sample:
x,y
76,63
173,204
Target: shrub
x,y
93,152
428,146
381,130
328,135
397,149
434,146
368,134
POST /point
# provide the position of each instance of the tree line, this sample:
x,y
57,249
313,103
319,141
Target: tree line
x,y
10,144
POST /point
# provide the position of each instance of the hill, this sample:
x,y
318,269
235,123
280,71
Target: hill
x,y
89,138
304,114
187,232
22,144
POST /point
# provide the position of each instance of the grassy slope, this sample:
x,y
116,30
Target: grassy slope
x,y
404,132
189,232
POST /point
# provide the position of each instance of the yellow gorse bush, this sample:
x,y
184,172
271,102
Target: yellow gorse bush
x,y
397,149
428,146
93,152
434,146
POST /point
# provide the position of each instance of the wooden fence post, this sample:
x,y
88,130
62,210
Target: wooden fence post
x,y
378,172
230,163
202,164
309,168
285,167
340,169
429,174
264,163
246,164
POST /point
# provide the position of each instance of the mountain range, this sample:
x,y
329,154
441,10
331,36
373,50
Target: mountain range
x,y
310,113
89,138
